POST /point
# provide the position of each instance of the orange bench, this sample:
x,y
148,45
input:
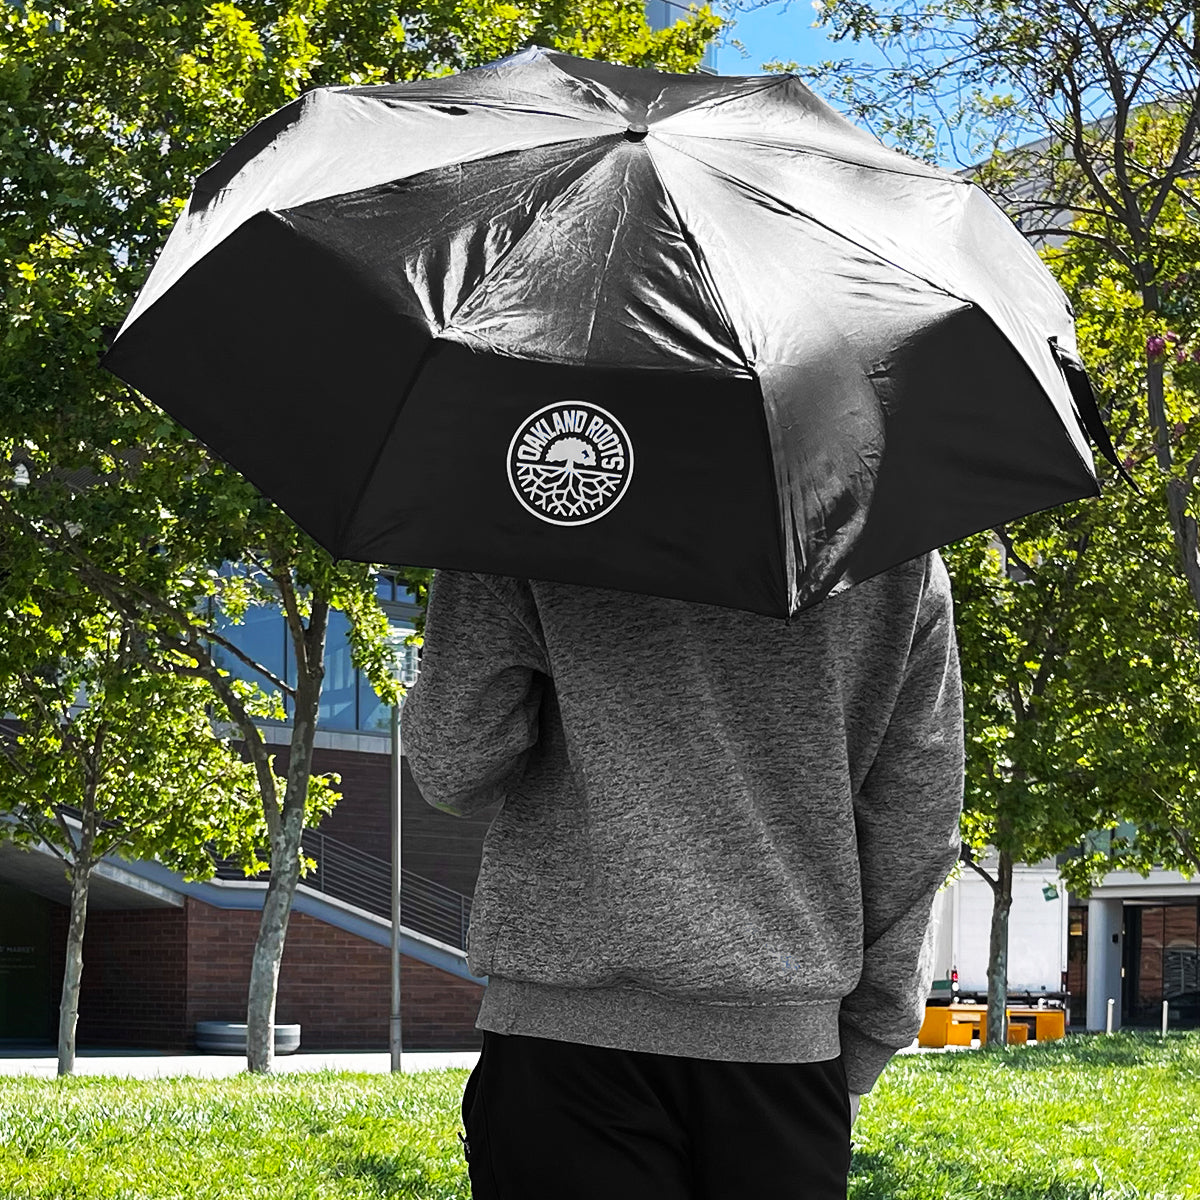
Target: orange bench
x,y
1048,1023
955,1024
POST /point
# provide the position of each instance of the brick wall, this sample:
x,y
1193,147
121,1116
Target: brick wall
x,y
150,974
337,986
134,986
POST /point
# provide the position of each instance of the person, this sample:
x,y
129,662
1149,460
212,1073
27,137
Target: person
x,y
704,905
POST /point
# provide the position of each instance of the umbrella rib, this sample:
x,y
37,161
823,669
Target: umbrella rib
x,y
484,102
383,441
577,79
555,203
705,107
780,144
708,106
799,212
702,271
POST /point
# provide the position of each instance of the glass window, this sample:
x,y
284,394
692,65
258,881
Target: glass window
x,y
261,635
392,590
347,699
373,713
658,14
339,689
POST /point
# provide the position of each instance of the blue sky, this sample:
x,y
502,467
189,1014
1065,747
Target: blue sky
x,y
780,30
784,31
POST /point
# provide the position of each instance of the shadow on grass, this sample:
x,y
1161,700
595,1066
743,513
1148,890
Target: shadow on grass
x,y
874,1177
388,1172
405,1173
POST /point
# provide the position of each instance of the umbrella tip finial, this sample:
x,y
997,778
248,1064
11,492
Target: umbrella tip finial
x,y
635,132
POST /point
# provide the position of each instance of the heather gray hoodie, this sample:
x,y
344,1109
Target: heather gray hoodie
x,y
722,833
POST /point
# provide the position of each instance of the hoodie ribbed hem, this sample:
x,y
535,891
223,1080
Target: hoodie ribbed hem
x,y
627,1018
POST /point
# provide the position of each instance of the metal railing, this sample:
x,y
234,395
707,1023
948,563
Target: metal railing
x,y
347,873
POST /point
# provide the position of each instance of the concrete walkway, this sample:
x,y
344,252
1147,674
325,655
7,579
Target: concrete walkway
x,y
154,1064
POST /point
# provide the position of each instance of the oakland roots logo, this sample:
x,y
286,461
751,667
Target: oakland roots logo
x,y
570,462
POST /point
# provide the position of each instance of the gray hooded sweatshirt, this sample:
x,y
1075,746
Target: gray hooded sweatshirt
x,y
721,834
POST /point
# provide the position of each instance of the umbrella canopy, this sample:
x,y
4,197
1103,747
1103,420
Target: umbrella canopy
x,y
699,337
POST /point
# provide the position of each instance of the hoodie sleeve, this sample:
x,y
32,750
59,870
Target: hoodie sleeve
x,y
907,826
471,720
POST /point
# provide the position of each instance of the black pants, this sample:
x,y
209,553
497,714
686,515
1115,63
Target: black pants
x,y
546,1119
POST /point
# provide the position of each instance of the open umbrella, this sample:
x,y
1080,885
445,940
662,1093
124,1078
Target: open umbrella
x,y
699,337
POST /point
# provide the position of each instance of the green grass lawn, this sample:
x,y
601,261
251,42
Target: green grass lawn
x,y
1087,1118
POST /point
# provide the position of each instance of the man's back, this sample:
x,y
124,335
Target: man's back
x,y
721,833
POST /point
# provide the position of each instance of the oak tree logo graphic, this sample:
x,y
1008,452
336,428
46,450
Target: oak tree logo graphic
x,y
570,462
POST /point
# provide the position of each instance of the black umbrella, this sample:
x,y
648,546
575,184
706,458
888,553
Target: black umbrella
x,y
693,336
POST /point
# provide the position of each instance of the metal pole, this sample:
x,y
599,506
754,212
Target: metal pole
x,y
394,1040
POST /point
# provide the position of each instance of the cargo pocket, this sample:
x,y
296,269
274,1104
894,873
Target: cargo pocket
x,y
468,1102
476,1149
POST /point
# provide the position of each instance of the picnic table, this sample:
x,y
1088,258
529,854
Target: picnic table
x,y
955,1024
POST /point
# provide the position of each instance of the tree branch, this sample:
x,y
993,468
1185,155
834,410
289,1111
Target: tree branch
x,y
1054,646
1072,93
965,855
61,822
281,576
116,589
36,828
1001,531
1185,845
1109,245
1185,196
61,720
251,735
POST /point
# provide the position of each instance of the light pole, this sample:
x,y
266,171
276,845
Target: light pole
x,y
408,676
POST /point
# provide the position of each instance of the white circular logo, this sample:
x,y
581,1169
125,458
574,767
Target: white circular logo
x,y
570,462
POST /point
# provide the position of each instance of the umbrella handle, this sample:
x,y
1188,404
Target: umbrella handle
x,y
1086,407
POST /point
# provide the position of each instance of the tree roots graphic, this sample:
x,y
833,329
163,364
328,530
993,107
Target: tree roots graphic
x,y
567,491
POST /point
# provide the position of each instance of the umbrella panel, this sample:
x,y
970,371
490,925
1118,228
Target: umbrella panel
x,y
694,515
967,441
387,445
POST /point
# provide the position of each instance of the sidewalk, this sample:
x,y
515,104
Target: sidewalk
x,y
154,1064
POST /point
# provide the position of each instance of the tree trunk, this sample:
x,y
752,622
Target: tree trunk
x,y
268,947
997,972
285,848
1178,490
68,1009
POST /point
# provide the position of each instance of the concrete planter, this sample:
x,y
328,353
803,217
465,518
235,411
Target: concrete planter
x,y
229,1037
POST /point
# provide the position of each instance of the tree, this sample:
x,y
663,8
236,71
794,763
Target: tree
x,y
110,109
132,753
123,546
1080,680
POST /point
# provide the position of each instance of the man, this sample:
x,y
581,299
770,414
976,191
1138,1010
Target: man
x,y
704,903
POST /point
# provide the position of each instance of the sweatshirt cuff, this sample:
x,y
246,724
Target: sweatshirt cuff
x,y
864,1059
